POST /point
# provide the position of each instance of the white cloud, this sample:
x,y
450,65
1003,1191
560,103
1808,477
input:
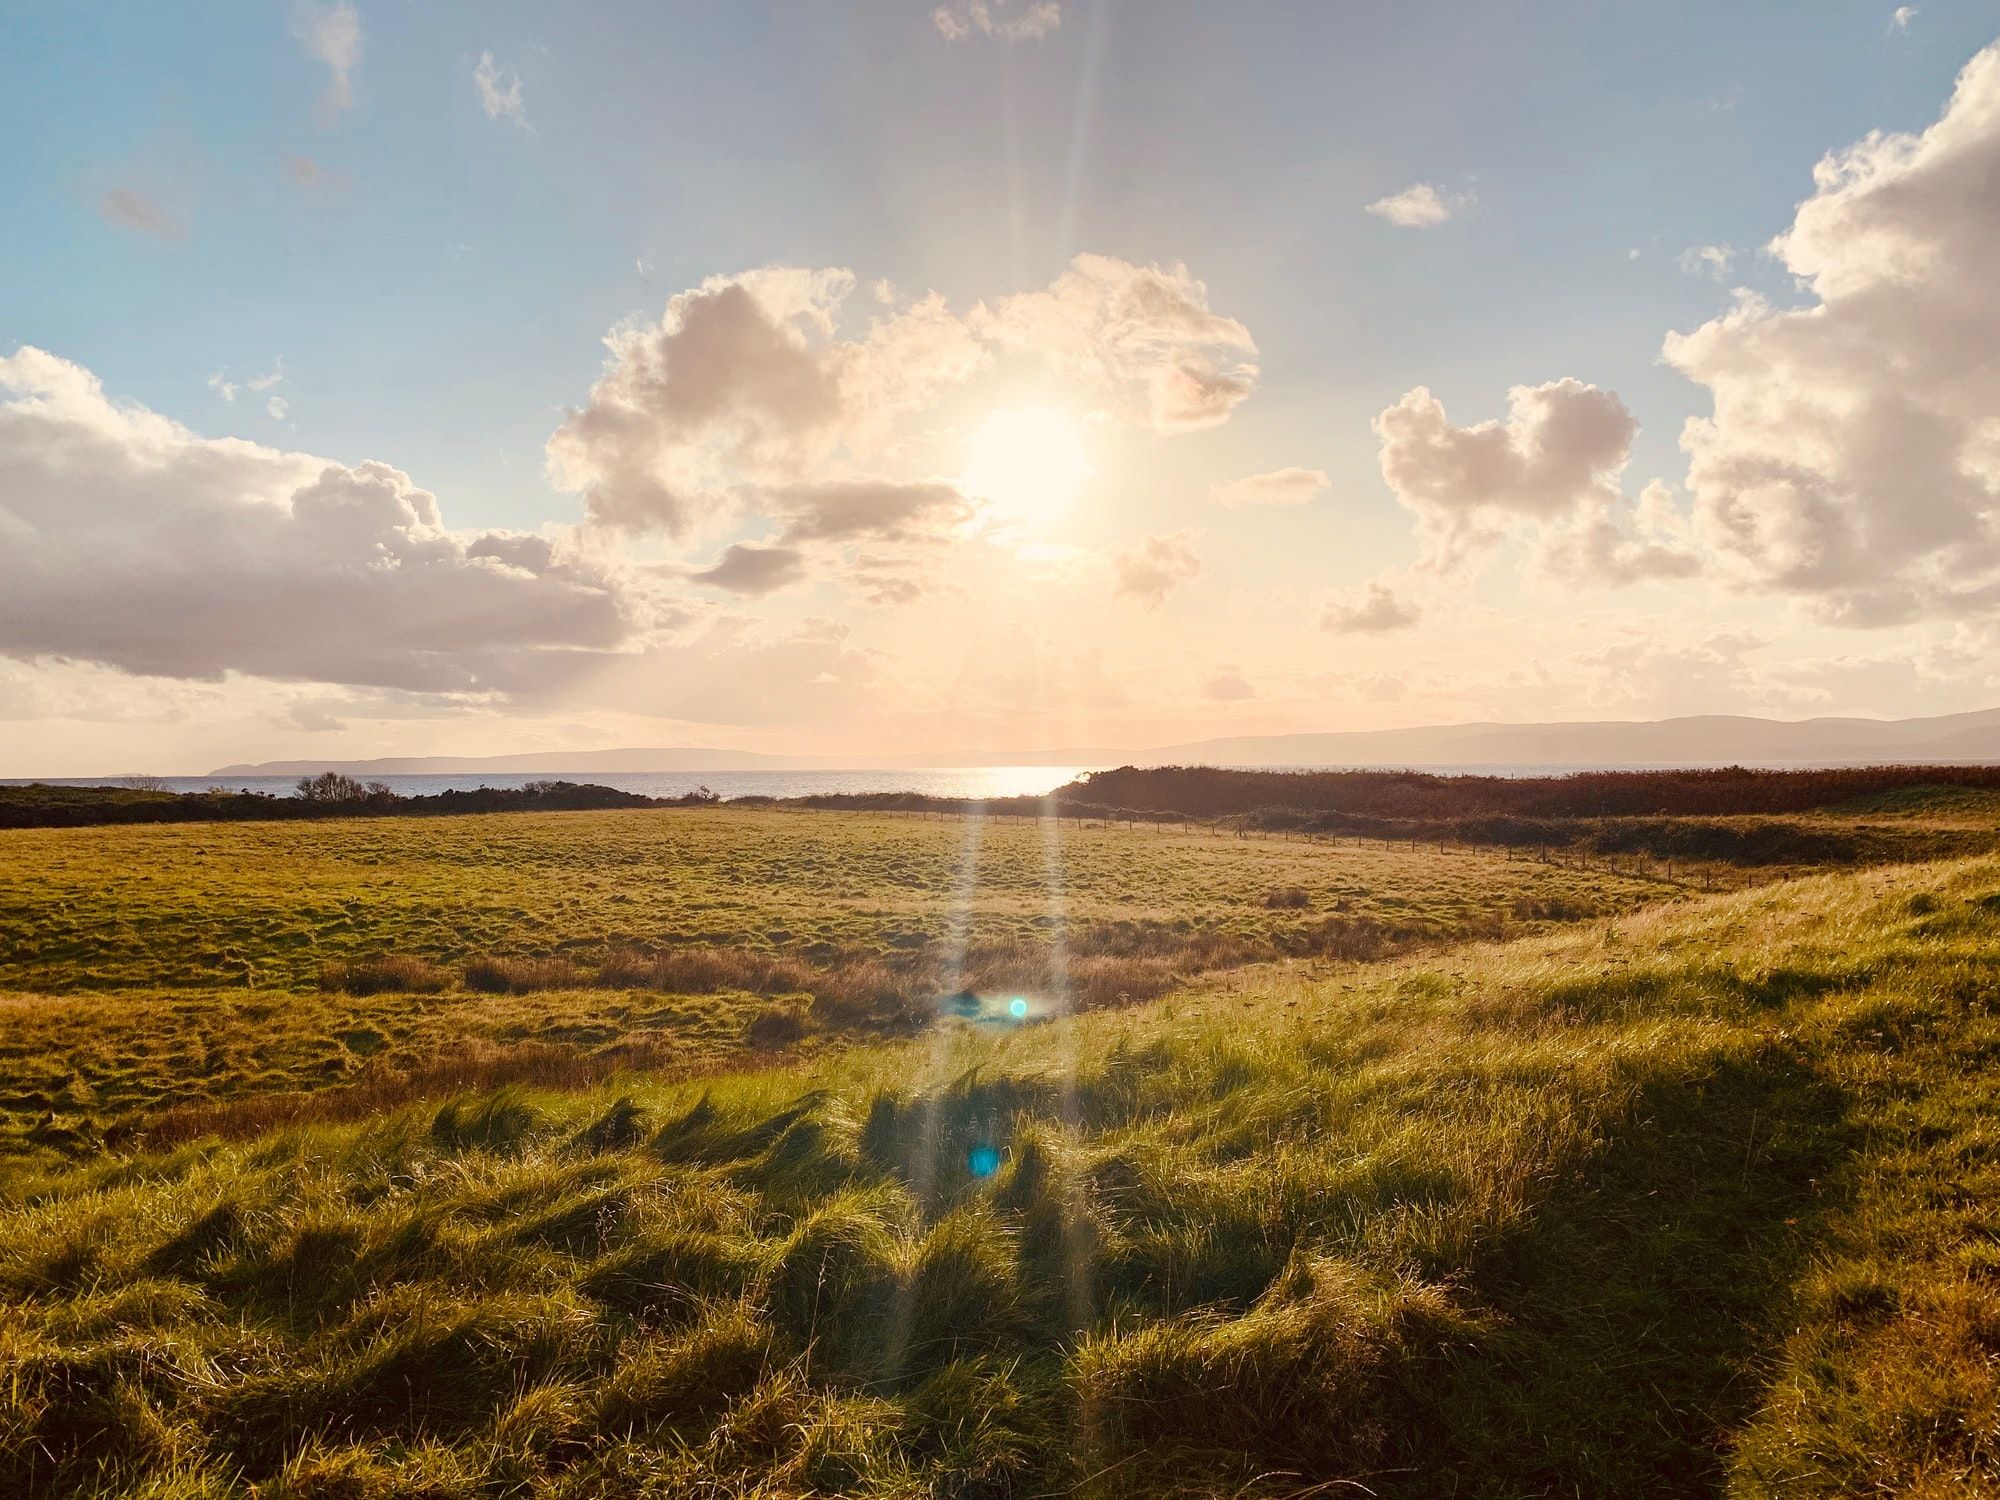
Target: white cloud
x,y
1419,206
500,99
1373,610
276,408
1142,335
1712,260
744,399
228,389
1554,460
1901,16
332,35
997,18
1157,566
1280,487
134,543
1852,459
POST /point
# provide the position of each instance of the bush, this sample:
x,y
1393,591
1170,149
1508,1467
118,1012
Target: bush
x,y
391,974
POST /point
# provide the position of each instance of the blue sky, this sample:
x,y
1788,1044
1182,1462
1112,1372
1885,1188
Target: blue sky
x,y
437,296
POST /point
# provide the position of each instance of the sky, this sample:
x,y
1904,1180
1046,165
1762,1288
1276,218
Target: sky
x,y
396,378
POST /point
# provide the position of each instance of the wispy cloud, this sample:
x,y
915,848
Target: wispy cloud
x,y
997,18
1712,260
1280,487
500,95
332,35
1157,566
1901,16
1374,610
228,389
142,213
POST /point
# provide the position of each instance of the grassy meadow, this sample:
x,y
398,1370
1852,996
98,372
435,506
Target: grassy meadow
x,y
163,979
1571,1183
265,905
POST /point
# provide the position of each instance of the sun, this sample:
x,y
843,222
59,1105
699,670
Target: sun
x,y
1028,463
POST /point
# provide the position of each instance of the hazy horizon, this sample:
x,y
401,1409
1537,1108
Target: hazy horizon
x,y
1549,745
807,381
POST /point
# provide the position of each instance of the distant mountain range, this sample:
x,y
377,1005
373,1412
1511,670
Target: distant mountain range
x,y
553,762
1707,739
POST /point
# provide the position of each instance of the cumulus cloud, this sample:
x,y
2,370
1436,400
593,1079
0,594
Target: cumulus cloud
x,y
1157,566
143,212
1280,487
1852,458
1144,336
1374,610
736,381
500,96
129,541
1419,206
1901,16
1559,453
997,18
332,35
750,568
745,400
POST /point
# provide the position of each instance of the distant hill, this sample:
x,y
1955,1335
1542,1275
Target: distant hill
x,y
1708,739
551,761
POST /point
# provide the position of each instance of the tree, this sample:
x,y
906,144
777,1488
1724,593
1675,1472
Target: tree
x,y
331,786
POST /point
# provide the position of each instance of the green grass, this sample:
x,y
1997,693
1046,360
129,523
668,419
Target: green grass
x,y
266,904
1699,1200
175,979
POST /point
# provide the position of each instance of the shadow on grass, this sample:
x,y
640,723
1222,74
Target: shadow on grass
x,y
1644,1305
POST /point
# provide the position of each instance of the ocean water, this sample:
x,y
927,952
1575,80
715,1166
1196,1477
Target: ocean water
x,y
953,781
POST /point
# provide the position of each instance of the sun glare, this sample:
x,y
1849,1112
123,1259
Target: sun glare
x,y
1028,463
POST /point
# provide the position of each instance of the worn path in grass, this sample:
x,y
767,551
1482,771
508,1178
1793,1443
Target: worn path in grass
x,y
1700,1201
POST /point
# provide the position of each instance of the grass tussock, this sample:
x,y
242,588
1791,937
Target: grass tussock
x,y
522,976
385,974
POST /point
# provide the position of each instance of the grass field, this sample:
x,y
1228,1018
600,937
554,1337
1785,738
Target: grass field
x,y
179,968
1701,1200
1427,1173
265,904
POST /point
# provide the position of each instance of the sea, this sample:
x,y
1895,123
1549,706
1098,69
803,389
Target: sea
x,y
947,781
952,781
